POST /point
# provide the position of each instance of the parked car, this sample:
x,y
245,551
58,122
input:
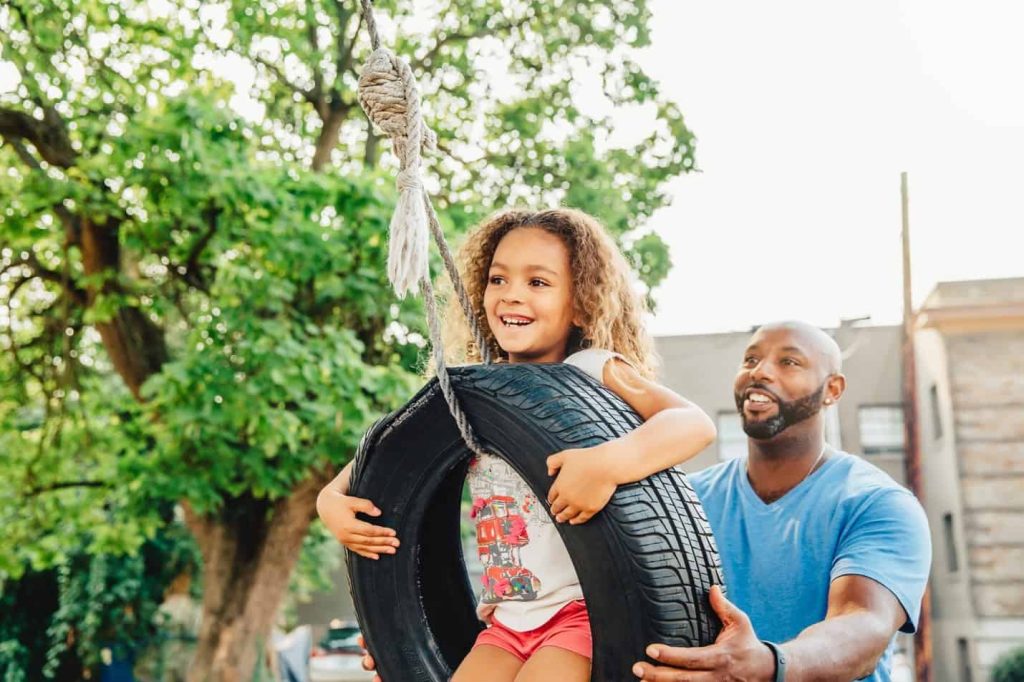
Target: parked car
x,y
338,656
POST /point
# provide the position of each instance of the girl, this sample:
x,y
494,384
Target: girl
x,y
548,286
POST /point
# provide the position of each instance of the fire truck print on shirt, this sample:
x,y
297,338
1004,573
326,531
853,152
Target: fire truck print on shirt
x,y
528,574
504,509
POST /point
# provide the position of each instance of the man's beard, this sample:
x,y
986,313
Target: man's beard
x,y
793,412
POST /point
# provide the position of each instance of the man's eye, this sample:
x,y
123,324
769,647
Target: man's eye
x,y
791,362
749,360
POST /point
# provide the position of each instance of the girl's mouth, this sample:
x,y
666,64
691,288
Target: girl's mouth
x,y
515,320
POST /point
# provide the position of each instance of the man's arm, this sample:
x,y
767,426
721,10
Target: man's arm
x,y
862,618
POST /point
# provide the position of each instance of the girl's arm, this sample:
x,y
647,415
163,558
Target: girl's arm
x,y
674,430
338,509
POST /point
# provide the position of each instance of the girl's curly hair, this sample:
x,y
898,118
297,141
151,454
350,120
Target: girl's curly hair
x,y
610,310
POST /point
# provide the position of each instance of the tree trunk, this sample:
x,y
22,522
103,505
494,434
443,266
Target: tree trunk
x,y
135,344
328,138
249,550
370,149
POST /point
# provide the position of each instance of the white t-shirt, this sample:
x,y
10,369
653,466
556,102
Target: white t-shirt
x,y
528,575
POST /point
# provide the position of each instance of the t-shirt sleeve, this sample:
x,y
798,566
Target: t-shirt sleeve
x,y
592,361
888,541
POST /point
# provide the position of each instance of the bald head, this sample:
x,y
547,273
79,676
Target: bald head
x,y
789,373
813,341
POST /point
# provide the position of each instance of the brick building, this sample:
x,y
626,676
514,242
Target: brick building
x,y
970,359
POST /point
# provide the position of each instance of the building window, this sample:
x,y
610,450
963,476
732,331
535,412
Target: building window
x,y
933,399
964,654
952,560
881,429
732,441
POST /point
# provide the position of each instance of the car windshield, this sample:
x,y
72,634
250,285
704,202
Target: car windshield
x,y
345,638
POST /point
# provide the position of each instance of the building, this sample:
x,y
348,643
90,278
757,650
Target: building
x,y
969,344
868,420
970,365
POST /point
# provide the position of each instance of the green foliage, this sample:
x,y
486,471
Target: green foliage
x,y
1010,667
55,623
193,305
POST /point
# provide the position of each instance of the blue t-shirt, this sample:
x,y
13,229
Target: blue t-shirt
x,y
847,518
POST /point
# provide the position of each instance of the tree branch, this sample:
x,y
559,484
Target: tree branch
x,y
318,77
193,273
346,46
61,485
45,273
451,38
48,136
72,226
308,95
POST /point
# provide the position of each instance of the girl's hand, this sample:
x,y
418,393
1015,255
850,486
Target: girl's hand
x,y
338,512
584,484
369,665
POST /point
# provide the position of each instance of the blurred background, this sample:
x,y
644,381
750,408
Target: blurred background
x,y
196,326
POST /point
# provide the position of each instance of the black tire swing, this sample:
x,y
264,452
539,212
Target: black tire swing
x,y
645,563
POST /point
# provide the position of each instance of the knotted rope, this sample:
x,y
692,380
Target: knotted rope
x,y
390,97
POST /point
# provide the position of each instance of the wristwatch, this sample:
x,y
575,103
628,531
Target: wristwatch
x,y
780,660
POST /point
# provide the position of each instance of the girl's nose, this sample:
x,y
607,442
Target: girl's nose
x,y
512,294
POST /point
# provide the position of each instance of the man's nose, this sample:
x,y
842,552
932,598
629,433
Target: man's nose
x,y
761,372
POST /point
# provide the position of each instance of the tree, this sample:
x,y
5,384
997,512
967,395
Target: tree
x,y
194,305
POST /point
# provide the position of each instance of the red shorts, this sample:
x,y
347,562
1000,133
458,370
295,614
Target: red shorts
x,y
568,629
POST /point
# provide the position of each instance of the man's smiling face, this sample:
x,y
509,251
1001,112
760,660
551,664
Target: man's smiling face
x,y
785,378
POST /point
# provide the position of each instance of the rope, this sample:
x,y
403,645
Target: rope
x,y
371,24
390,97
461,420
457,285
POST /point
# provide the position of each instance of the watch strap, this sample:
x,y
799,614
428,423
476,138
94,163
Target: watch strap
x,y
780,660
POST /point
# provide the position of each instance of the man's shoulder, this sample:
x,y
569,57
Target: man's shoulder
x,y
713,476
860,476
858,485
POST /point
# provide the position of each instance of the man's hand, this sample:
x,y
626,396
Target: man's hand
x,y
369,665
736,655
585,482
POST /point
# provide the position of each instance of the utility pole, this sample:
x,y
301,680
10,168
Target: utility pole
x,y
923,637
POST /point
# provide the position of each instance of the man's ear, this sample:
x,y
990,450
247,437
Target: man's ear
x,y
835,388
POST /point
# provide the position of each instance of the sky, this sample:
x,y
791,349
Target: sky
x,y
806,113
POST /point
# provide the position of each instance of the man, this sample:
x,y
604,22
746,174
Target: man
x,y
824,555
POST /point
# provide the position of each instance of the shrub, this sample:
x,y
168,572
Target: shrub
x,y
1010,667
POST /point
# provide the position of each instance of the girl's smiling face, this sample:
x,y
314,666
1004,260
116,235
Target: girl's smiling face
x,y
529,297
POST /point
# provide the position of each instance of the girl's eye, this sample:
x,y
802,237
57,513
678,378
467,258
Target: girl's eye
x,y
496,279
538,283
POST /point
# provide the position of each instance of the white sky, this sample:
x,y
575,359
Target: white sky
x,y
806,112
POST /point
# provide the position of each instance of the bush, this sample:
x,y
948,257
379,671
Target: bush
x,y
1010,667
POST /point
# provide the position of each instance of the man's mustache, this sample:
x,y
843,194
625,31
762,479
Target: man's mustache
x,y
759,387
